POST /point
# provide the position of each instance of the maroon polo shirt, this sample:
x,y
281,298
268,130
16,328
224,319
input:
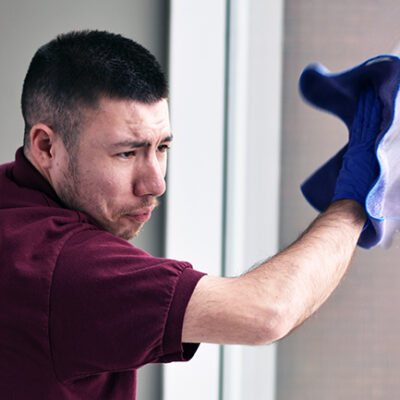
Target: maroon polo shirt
x,y
80,309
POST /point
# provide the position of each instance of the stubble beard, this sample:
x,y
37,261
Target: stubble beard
x,y
70,195
68,190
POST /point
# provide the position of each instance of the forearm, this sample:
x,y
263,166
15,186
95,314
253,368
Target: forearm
x,y
299,279
272,299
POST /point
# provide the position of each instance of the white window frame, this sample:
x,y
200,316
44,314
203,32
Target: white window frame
x,y
225,84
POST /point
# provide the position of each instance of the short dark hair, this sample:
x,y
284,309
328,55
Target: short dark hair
x,y
74,70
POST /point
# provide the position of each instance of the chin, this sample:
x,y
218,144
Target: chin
x,y
128,234
123,232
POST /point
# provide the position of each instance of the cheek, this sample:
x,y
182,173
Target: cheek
x,y
97,186
106,186
114,186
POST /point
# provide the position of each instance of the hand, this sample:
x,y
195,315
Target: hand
x,y
360,168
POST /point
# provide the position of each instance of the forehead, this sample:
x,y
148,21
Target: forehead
x,y
116,119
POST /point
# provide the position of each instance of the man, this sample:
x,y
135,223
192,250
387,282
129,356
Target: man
x,y
81,308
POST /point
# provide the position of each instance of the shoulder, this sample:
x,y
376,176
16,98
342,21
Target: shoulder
x,y
91,254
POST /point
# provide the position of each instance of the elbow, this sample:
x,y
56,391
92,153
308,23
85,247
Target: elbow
x,y
271,325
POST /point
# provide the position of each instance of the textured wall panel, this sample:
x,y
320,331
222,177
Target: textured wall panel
x,y
350,348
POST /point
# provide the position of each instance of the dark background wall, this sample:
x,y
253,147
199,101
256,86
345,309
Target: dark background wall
x,y
26,25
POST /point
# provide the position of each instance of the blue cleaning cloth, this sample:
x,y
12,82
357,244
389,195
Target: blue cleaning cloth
x,y
339,94
359,165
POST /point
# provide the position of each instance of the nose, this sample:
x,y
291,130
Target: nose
x,y
150,178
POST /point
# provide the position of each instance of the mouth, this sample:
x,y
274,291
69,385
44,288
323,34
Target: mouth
x,y
141,215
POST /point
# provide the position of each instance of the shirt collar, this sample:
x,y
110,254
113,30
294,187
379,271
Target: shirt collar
x,y
25,174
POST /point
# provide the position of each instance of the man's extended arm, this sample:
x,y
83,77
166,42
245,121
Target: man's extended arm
x,y
268,302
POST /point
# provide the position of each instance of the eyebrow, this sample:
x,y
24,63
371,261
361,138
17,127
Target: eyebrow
x,y
134,144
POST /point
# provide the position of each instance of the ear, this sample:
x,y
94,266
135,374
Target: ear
x,y
42,145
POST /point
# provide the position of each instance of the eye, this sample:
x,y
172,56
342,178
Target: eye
x,y
163,148
127,154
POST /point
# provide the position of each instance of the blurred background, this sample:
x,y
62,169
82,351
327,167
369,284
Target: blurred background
x,y
244,142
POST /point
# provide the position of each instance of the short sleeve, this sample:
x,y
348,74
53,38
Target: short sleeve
x,y
114,307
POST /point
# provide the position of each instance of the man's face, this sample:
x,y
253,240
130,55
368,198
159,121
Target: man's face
x,y
118,166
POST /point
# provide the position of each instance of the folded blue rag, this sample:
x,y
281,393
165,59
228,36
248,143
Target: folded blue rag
x,y
339,94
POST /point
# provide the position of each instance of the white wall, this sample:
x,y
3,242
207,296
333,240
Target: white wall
x,y
195,177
